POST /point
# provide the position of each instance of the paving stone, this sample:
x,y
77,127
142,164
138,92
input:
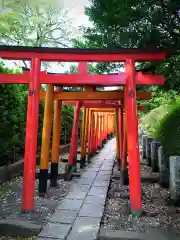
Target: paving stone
x,y
80,187
76,195
85,228
55,230
86,181
104,172
100,184
91,210
94,191
106,168
91,174
94,169
102,178
70,204
99,199
64,216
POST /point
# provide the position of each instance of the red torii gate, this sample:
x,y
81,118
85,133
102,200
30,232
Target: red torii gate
x,y
35,77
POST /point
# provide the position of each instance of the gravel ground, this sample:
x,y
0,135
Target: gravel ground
x,y
10,201
158,213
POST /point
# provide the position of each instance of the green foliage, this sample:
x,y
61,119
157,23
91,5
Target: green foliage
x,y
34,23
133,23
13,102
136,23
67,123
168,131
151,121
12,114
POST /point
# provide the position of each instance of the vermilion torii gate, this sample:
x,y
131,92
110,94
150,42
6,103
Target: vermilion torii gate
x,y
48,97
35,77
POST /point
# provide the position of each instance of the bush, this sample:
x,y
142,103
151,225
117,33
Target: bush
x,y
13,109
151,121
168,131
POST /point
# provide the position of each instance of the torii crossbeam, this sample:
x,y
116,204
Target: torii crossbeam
x,y
35,77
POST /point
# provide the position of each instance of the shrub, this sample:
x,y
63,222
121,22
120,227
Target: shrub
x,y
168,131
151,121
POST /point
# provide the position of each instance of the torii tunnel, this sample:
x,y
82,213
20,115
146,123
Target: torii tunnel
x,y
103,112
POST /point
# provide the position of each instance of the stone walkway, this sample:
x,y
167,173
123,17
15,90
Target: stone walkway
x,y
78,215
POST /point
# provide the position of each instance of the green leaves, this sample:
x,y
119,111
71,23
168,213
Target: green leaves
x,y
34,23
136,23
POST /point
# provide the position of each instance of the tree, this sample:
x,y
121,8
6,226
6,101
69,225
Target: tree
x,y
136,23
35,25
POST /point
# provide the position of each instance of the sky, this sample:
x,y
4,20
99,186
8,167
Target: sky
x,y
78,18
76,11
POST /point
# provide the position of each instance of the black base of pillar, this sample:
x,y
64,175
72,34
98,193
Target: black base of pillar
x,y
124,176
83,161
89,158
118,163
70,169
54,174
103,142
74,160
28,211
43,178
164,184
149,162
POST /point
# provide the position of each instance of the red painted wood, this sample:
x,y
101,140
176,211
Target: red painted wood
x,y
84,57
97,129
83,78
120,118
74,137
124,142
15,78
31,137
143,79
132,138
83,68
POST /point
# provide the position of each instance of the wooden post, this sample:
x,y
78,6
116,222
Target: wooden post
x,y
93,132
56,140
86,130
121,123
97,129
103,129
83,140
117,138
132,139
124,169
100,129
31,137
45,146
74,138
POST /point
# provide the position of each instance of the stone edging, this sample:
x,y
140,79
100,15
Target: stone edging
x,y
16,169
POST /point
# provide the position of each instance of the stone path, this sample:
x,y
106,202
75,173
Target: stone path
x,y
79,214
